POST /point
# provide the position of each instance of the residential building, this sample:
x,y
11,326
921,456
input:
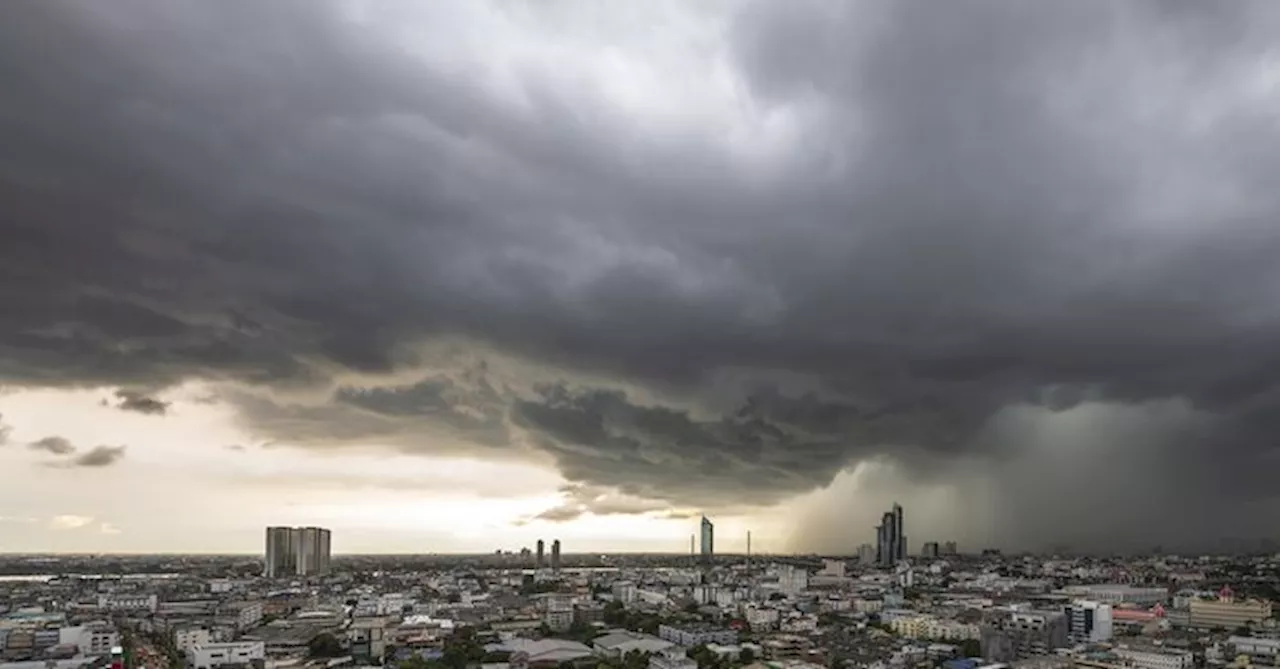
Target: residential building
x,y
617,643
1155,657
697,635
186,638
671,658
930,549
1116,593
235,653
1016,635
296,551
121,602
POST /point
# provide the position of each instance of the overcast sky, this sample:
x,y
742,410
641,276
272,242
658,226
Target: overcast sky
x,y
457,275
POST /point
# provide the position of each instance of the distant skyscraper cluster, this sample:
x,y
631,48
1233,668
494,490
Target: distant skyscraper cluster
x,y
891,539
540,554
708,544
296,551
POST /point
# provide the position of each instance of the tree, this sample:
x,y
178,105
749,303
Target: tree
x,y
325,645
971,648
747,656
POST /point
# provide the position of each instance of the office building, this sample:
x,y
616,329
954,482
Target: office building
x,y
541,556
297,551
1088,622
891,540
930,549
949,548
708,539
555,555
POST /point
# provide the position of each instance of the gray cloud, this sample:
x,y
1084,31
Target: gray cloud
x,y
5,431
581,500
938,215
98,456
135,401
54,444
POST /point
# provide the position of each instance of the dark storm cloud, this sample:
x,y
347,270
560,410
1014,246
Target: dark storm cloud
x,y
54,444
140,403
980,205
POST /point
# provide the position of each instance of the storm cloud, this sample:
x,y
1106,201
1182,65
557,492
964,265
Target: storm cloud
x,y
708,255
54,444
137,402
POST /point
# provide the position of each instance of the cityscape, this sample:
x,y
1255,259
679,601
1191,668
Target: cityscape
x,y
639,334
298,605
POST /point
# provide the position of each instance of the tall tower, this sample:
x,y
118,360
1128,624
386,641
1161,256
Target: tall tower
x,y
900,540
541,559
555,555
279,554
708,540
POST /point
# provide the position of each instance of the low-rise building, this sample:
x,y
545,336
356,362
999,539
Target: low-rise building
x,y
234,653
1155,658
186,638
697,635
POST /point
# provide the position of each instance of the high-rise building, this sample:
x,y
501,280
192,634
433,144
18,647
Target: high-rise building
x,y
541,556
708,539
555,554
949,548
866,554
297,551
1088,621
891,542
929,550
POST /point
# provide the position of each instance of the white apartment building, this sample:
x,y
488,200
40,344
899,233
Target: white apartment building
x,y
128,602
247,614
186,638
792,580
761,619
697,635
1156,658
559,617
211,655
625,592
92,639
1115,593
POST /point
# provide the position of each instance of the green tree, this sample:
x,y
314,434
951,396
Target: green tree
x,y
971,648
747,656
325,645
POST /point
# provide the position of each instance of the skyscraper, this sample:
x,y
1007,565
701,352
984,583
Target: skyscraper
x,y
891,542
541,560
296,551
555,555
708,540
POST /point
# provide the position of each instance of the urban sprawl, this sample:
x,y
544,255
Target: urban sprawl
x,y
886,607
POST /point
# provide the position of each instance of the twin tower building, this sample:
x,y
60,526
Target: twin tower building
x,y
296,551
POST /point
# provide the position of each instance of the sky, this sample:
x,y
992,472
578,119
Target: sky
x,y
454,276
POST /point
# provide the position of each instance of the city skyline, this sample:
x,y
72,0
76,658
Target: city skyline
x,y
448,276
